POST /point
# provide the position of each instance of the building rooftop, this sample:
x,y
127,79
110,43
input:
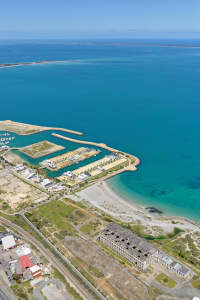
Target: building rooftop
x,y
8,242
34,269
25,262
173,264
22,250
129,241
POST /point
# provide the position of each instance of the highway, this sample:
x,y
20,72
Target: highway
x,y
75,283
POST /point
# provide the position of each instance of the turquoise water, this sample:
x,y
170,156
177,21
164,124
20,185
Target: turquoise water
x,y
21,141
132,95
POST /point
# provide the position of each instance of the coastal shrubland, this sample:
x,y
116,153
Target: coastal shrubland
x,y
196,282
91,227
140,230
184,249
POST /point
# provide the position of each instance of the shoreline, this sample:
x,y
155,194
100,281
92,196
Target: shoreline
x,y
28,129
101,196
103,146
153,215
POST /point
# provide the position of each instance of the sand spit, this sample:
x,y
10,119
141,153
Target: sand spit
x,y
104,198
28,129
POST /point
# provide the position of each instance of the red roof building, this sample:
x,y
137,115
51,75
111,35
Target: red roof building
x,y
25,262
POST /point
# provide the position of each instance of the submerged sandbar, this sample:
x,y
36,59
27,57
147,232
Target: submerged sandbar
x,y
41,62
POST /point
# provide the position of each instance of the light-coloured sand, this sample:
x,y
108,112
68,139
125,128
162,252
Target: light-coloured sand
x,y
15,191
26,129
13,158
101,196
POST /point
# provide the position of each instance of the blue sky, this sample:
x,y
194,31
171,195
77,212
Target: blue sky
x,y
99,18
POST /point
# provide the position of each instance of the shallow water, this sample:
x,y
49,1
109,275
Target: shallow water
x,y
144,100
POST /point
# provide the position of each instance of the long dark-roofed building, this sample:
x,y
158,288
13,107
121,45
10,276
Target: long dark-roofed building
x,y
135,249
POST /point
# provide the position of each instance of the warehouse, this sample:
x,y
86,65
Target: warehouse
x,y
133,248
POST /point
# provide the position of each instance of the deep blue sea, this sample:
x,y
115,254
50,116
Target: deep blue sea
x,y
141,96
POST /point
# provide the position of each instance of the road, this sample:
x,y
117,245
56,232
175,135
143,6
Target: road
x,y
100,296
3,295
75,283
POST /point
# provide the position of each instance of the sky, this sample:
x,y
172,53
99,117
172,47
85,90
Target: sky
x,y
99,18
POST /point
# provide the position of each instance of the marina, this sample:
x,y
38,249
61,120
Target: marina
x,y
5,139
69,158
156,184
94,170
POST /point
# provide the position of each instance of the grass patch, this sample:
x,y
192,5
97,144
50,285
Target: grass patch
x,y
138,229
95,272
2,229
196,284
178,249
55,213
92,270
23,291
90,228
76,263
165,280
77,216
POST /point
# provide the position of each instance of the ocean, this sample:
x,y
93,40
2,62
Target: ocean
x,y
140,96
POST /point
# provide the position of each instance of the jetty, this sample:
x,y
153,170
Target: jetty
x,y
130,167
28,129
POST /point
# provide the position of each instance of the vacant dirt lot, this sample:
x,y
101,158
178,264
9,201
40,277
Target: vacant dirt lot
x,y
113,273
15,191
13,158
19,128
40,149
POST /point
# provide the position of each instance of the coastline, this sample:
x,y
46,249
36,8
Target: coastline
x,y
102,197
131,167
28,129
101,194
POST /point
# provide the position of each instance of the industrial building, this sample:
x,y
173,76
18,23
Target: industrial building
x,y
135,249
8,242
139,252
168,262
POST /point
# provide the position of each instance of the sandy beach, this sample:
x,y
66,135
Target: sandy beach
x,y
104,198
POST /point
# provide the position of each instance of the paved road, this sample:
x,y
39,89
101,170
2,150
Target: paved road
x,y
100,296
50,257
3,295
